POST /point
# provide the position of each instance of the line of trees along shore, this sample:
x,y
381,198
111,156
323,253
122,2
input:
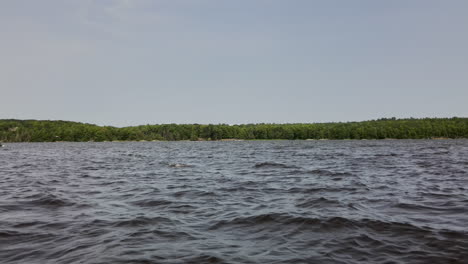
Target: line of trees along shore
x,y
12,130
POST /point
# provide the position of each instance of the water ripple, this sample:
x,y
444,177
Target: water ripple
x,y
399,201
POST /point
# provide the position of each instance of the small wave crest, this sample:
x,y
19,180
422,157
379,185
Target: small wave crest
x,y
48,200
151,203
180,165
323,172
273,220
273,165
320,202
143,221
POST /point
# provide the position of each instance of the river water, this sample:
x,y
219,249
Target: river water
x,y
388,201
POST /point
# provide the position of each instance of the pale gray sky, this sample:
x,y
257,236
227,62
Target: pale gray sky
x,y
244,61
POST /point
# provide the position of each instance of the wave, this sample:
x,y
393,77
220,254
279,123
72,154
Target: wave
x,y
442,208
274,165
332,224
203,258
325,189
323,172
10,234
180,165
320,202
193,193
40,225
49,200
143,221
151,203
385,155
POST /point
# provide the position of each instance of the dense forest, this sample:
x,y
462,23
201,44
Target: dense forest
x,y
12,130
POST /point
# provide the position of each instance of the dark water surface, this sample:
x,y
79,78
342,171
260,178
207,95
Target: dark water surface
x,y
393,201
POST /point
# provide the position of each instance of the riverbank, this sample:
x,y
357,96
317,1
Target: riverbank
x,y
12,130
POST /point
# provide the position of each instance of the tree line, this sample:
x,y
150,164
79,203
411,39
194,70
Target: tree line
x,y
12,130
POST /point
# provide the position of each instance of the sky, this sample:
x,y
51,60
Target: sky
x,y
134,62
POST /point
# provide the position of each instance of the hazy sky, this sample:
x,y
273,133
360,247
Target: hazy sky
x,y
240,61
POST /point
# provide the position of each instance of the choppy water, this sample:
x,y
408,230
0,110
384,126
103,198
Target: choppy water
x,y
235,202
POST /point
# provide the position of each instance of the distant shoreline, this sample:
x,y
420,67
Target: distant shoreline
x,y
13,130
239,140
